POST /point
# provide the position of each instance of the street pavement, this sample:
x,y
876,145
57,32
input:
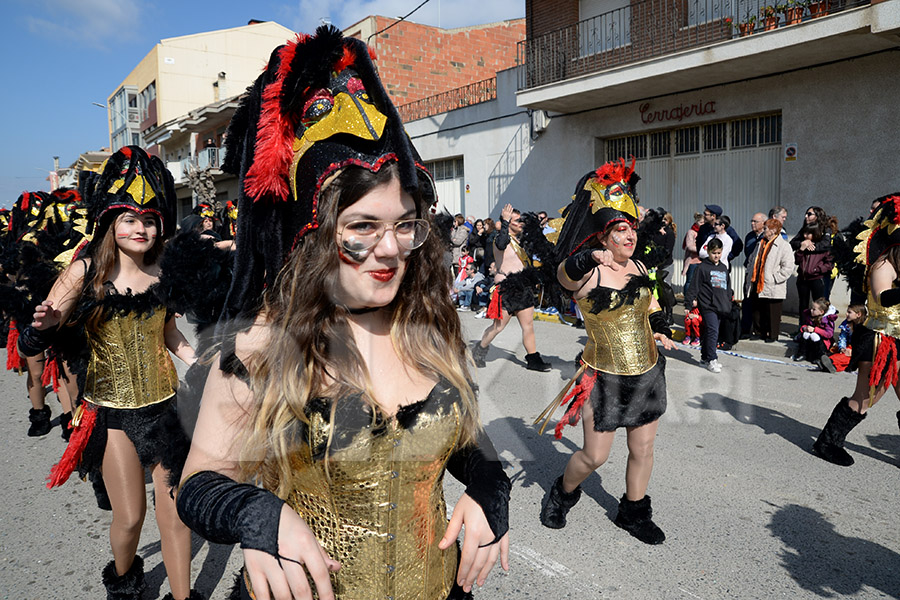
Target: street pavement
x,y
747,510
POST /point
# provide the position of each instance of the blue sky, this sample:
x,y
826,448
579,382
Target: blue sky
x,y
59,56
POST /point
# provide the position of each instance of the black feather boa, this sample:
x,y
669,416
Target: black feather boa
x,y
601,297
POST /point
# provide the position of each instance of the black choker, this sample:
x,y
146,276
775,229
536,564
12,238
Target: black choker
x,y
362,311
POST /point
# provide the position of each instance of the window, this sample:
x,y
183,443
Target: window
x,y
743,133
626,147
687,140
770,130
660,144
135,139
715,137
147,95
603,25
446,169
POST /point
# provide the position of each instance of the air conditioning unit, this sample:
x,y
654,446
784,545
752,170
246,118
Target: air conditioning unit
x,y
539,121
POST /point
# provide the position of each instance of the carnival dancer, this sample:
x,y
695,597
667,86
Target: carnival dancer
x,y
514,291
127,419
874,345
332,414
621,382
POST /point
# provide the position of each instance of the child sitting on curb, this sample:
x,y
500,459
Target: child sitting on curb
x,y
710,291
816,331
841,349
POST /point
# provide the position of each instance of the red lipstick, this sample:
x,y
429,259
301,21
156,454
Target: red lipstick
x,y
383,275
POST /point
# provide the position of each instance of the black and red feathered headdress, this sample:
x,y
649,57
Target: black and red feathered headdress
x,y
608,187
318,108
882,230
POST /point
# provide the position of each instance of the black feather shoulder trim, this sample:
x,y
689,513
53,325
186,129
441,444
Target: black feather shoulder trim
x,y
604,298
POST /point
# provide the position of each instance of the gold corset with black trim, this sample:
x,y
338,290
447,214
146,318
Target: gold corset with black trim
x,y
883,319
620,340
130,366
379,509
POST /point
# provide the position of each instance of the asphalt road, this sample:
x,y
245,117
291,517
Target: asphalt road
x,y
748,511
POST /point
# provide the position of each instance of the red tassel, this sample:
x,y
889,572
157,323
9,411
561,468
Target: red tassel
x,y
884,367
14,362
495,308
81,433
51,374
581,392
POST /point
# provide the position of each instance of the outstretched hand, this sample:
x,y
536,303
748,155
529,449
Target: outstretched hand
x,y
664,340
605,258
507,212
285,577
476,559
45,316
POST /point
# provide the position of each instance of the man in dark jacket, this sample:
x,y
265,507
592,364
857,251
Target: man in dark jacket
x,y
710,291
711,212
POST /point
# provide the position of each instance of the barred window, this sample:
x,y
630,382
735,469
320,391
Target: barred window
x,y
446,169
615,148
660,144
687,140
715,137
626,147
743,133
770,130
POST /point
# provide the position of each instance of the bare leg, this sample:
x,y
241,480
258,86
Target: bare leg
x,y
526,321
640,460
859,401
65,389
597,445
494,329
175,537
33,383
124,478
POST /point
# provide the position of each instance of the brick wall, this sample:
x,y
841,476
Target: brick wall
x,y
416,61
544,16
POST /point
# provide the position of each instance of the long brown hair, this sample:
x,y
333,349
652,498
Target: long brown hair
x,y
310,351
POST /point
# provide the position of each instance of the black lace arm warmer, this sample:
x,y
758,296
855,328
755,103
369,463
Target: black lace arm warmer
x,y
580,264
33,342
889,297
502,239
659,323
227,512
478,467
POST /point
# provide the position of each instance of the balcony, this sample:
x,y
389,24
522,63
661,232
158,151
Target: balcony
x,y
467,95
655,47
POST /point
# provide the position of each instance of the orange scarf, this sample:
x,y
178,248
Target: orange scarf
x,y
760,264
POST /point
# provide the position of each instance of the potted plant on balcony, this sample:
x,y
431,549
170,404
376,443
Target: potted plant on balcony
x,y
747,26
769,15
818,9
793,11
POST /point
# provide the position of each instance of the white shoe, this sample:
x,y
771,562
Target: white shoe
x,y
464,309
714,366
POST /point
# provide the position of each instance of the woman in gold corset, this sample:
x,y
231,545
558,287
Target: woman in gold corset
x,y
327,425
875,345
621,382
127,420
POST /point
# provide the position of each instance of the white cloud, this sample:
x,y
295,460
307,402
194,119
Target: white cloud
x,y
95,23
305,15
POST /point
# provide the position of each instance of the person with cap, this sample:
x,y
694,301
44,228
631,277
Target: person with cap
x,y
341,392
126,423
621,381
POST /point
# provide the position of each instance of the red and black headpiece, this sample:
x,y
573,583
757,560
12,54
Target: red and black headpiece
x,y
130,179
318,108
882,230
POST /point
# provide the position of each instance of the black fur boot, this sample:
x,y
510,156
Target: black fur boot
x,y
636,517
129,586
557,505
195,595
478,354
64,420
534,362
40,421
830,445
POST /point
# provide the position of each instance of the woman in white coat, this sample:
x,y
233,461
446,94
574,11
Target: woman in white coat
x,y
768,270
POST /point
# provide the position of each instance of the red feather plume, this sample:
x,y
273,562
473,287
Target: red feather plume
x,y
581,392
50,374
613,171
13,360
275,136
61,471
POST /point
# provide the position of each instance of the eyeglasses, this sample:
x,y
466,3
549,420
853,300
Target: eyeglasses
x,y
810,214
357,236
719,224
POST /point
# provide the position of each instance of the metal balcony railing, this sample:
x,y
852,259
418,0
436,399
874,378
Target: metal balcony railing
x,y
651,28
467,95
208,158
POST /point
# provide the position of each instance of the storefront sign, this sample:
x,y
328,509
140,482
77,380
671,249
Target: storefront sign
x,y
677,113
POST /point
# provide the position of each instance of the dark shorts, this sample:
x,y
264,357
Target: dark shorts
x,y
629,400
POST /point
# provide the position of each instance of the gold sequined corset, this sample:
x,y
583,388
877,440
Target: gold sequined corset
x,y
620,340
130,366
382,513
883,319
